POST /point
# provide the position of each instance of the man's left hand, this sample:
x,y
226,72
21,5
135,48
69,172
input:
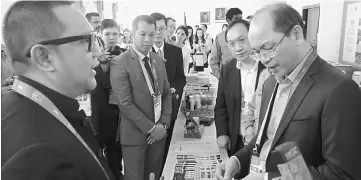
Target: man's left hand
x,y
172,90
254,176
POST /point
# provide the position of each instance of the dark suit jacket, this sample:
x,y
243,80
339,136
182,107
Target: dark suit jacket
x,y
228,104
36,146
323,117
100,105
174,67
133,97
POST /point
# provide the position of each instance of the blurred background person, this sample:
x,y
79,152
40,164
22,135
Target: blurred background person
x,y
181,37
220,53
171,26
95,21
200,46
127,37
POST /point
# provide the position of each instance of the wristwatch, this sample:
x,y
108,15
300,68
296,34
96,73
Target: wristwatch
x,y
166,126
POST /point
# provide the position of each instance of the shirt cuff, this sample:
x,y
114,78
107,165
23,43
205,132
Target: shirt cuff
x,y
266,176
151,129
239,164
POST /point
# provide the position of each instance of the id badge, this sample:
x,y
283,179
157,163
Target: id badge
x,y
157,100
257,165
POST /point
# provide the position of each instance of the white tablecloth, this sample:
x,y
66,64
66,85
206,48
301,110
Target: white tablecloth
x,y
208,135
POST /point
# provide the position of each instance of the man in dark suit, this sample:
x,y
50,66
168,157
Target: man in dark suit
x,y
140,85
237,85
314,104
105,111
43,135
173,58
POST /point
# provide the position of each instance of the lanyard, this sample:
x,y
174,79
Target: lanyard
x,y
310,58
39,98
147,79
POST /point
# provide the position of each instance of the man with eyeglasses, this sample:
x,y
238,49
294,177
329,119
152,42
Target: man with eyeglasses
x,y
220,53
239,79
173,59
94,20
43,135
306,101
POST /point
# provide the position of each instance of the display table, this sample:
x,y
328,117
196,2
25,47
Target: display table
x,y
208,138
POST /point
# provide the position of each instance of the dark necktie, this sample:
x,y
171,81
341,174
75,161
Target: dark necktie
x,y
147,67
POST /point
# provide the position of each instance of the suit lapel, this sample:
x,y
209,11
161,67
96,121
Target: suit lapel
x,y
296,99
237,90
134,61
269,85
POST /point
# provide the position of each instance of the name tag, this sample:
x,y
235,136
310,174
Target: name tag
x,y
157,100
257,165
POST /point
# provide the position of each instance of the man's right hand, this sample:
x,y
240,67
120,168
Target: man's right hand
x,y
158,133
224,142
227,169
6,85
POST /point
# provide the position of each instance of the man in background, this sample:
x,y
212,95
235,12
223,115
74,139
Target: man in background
x,y
94,20
171,27
140,85
173,59
105,111
220,53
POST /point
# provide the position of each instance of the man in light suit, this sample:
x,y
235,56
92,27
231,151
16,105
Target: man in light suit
x,y
140,85
307,101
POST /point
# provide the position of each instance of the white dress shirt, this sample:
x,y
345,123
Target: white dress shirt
x,y
186,58
160,50
248,81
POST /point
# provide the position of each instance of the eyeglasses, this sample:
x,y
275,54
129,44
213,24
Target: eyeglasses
x,y
267,54
232,44
91,38
161,29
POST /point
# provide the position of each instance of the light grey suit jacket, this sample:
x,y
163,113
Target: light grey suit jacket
x,y
134,99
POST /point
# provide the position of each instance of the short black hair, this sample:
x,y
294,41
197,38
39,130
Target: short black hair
x,y
233,23
224,25
27,22
158,16
285,17
184,28
205,25
126,30
233,11
169,18
90,15
108,23
143,18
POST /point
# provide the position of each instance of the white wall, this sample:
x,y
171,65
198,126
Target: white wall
x,y
330,25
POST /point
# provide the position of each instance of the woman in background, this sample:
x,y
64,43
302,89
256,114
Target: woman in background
x,y
181,37
127,37
201,46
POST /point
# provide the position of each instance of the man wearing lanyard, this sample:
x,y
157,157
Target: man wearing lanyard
x,y
237,85
43,134
140,86
307,101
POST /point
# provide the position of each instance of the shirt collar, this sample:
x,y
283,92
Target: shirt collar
x,y
69,107
140,55
161,48
253,69
296,71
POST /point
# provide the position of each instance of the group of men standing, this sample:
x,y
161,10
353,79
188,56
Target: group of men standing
x,y
135,95
144,85
273,89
